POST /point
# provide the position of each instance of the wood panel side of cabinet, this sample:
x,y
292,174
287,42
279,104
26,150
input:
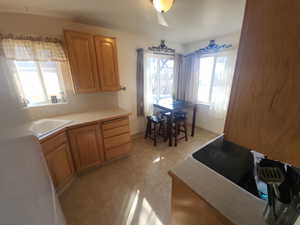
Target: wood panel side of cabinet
x,y
189,208
264,110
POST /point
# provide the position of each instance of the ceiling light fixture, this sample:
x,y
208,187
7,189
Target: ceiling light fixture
x,y
162,6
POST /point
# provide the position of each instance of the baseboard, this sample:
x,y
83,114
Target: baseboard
x,y
137,135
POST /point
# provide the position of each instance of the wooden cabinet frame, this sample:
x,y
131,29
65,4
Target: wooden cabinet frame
x,y
83,63
107,62
86,146
82,147
94,62
59,159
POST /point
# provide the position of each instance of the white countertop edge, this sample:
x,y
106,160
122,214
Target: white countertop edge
x,y
235,203
109,113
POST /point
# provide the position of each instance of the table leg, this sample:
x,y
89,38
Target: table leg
x,y
194,120
170,128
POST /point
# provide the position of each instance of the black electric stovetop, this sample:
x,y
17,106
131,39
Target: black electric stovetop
x,y
232,161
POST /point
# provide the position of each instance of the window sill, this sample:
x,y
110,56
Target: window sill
x,y
45,105
203,104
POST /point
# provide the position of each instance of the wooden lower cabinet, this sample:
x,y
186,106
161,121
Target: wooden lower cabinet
x,y
116,137
90,145
60,165
188,208
117,151
86,146
59,159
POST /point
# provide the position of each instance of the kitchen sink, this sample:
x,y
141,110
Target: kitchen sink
x,y
46,126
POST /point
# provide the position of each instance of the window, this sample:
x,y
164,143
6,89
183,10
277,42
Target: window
x,y
210,67
36,65
40,83
162,72
163,78
158,80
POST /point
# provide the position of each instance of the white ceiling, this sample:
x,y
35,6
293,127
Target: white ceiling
x,y
189,20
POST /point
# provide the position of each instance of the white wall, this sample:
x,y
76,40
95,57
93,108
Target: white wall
x,y
204,120
26,193
127,44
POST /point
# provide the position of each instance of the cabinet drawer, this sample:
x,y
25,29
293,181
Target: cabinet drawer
x,y
117,151
116,141
115,123
115,131
54,142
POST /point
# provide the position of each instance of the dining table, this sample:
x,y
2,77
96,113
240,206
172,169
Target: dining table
x,y
175,105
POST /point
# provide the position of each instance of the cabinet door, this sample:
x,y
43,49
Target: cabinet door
x,y
60,165
81,51
106,52
86,146
264,107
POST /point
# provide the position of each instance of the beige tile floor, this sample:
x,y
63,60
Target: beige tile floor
x,y
135,190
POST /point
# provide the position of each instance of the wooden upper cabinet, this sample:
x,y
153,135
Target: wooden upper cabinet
x,y
81,51
86,146
264,110
93,61
106,53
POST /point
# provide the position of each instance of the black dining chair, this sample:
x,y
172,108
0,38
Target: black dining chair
x,y
178,125
156,126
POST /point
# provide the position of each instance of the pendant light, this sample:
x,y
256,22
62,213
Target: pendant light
x,y
162,6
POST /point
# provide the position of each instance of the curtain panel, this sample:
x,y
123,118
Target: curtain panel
x,y
7,68
221,84
178,83
140,82
188,78
32,50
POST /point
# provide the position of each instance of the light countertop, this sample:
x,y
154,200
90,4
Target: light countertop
x,y
235,203
85,117
94,116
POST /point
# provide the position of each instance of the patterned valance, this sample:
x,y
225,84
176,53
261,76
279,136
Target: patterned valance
x,y
212,47
32,49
